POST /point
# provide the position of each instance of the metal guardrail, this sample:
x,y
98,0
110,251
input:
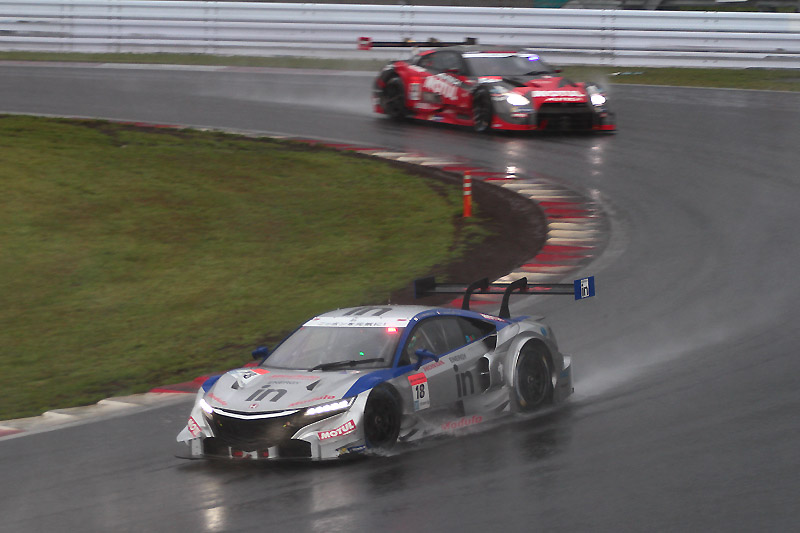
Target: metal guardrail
x,y
567,36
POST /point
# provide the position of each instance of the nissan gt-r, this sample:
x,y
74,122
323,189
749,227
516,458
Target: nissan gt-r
x,y
490,88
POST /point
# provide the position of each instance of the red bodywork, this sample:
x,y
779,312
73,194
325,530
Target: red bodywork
x,y
448,98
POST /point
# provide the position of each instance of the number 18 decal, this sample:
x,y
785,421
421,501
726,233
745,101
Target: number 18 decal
x,y
419,391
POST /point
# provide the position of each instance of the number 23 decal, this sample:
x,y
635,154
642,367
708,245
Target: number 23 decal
x,y
419,391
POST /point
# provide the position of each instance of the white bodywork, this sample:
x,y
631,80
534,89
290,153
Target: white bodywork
x,y
322,412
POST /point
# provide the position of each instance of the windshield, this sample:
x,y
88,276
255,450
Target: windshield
x,y
506,64
312,347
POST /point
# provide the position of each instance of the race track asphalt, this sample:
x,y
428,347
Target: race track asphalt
x,y
685,416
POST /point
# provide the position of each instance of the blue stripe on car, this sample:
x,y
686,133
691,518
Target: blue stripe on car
x,y
207,384
373,379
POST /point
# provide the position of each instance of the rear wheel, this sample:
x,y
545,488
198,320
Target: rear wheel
x,y
533,380
482,111
393,98
382,418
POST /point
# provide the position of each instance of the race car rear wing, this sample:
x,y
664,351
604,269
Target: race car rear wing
x,y
580,288
366,43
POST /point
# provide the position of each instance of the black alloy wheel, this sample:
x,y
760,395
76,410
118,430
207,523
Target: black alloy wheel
x,y
482,111
382,419
533,380
393,99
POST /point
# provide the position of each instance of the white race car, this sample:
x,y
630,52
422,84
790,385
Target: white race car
x,y
363,378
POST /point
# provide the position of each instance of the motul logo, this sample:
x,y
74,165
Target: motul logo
x,y
344,429
463,422
442,84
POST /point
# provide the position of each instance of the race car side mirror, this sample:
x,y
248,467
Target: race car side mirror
x,y
490,341
424,355
262,352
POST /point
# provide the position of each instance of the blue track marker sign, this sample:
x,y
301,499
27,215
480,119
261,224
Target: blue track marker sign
x,y
584,288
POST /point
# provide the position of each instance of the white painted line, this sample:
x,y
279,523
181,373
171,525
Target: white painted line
x,y
438,163
570,242
574,226
532,276
412,159
572,234
57,415
390,155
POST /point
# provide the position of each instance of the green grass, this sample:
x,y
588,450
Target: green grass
x,y
135,258
765,79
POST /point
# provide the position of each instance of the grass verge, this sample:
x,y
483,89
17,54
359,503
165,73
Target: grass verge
x,y
764,79
132,258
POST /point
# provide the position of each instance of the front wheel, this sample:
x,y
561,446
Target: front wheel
x,y
382,419
533,380
482,111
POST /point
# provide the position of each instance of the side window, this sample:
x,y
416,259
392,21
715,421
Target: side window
x,y
427,61
428,335
460,331
444,61
474,329
453,334
443,335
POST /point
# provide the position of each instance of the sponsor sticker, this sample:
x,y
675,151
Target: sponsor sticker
x,y
444,85
458,357
355,321
194,428
462,422
584,288
295,377
344,429
317,399
245,375
420,392
559,96
220,401
344,450
414,91
431,366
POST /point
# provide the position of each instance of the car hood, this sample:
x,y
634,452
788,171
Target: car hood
x,y
258,390
546,89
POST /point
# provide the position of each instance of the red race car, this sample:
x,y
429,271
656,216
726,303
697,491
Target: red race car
x,y
489,88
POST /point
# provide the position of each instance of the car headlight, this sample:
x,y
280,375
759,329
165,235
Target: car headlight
x,y
517,99
596,96
598,99
329,408
205,406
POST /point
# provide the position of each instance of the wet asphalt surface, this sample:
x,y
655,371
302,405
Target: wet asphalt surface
x,y
685,415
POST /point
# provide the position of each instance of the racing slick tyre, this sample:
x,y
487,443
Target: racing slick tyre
x,y
482,111
533,380
382,418
393,99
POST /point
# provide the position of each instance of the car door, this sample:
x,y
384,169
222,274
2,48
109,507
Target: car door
x,y
444,85
460,344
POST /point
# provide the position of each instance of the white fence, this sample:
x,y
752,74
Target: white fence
x,y
567,36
